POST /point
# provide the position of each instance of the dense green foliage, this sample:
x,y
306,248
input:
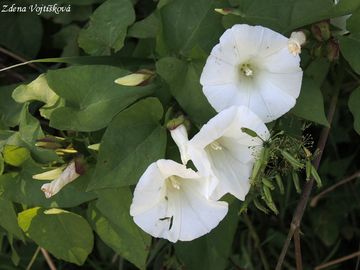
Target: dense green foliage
x,y
73,95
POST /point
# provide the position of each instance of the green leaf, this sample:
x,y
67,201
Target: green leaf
x,y
22,188
349,48
353,23
64,234
184,81
37,90
113,223
214,248
146,28
310,103
15,155
188,23
92,97
29,131
21,32
107,27
78,13
9,109
8,219
133,140
287,15
318,70
1,164
354,107
66,39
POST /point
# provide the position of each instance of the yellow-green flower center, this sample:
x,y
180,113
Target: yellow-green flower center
x,y
215,145
246,70
173,182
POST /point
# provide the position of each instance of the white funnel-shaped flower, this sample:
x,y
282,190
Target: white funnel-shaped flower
x,y
170,202
253,67
226,152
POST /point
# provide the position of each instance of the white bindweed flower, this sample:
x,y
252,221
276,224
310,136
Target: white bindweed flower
x,y
224,150
252,66
180,137
169,202
67,176
296,40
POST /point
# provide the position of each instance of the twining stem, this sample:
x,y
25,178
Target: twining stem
x,y
19,58
256,239
315,199
339,260
48,259
300,209
298,256
33,258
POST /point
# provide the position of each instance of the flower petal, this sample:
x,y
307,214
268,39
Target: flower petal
x,y
281,62
217,71
224,96
180,137
257,40
233,175
290,83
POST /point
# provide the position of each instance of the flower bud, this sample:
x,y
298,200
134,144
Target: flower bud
x,y
317,50
50,142
332,50
94,147
138,78
80,165
48,145
180,137
175,122
67,176
49,175
224,11
296,40
321,30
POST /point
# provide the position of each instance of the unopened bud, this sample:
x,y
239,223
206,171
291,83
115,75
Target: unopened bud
x,y
49,175
48,145
224,11
332,50
67,176
138,78
94,147
180,137
50,142
317,50
296,40
174,123
321,30
80,165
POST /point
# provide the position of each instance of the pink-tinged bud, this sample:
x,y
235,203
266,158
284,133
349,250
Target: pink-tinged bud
x,y
80,165
223,11
50,142
317,50
141,77
227,11
174,123
296,40
332,50
67,176
180,137
321,30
